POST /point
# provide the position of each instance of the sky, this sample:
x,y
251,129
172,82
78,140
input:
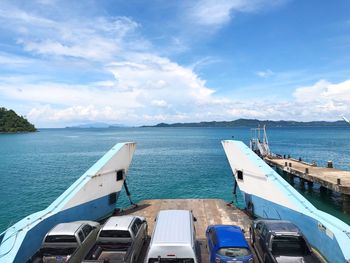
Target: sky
x,y
144,62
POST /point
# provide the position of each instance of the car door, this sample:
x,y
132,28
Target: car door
x,y
78,256
258,237
90,238
264,244
212,244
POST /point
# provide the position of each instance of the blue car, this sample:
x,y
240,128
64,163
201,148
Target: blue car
x,y
226,243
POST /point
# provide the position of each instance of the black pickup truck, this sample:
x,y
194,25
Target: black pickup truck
x,y
277,241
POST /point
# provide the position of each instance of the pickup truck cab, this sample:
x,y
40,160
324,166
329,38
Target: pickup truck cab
x,y
120,240
277,241
67,242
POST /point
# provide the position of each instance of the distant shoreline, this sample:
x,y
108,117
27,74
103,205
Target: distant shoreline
x,y
253,123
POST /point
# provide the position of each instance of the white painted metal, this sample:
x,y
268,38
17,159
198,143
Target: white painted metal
x,y
254,181
103,182
345,119
259,141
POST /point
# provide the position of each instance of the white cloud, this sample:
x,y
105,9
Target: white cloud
x,y
324,99
219,12
324,91
265,74
135,85
76,113
159,103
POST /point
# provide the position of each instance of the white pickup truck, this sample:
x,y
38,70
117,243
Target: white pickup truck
x,y
67,242
120,240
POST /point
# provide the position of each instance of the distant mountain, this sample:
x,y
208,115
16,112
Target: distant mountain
x,y
96,125
10,122
254,123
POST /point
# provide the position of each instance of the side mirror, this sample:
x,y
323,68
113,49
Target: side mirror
x,y
243,231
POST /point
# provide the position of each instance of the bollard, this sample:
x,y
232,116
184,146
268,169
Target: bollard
x,y
285,164
338,181
329,164
290,164
306,170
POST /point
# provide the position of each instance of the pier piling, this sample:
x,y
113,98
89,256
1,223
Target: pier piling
x,y
310,184
346,203
328,178
302,183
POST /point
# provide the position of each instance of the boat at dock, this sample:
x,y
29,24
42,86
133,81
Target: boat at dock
x,y
94,196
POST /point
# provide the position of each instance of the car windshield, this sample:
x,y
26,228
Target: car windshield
x,y
171,260
234,252
115,233
289,246
60,239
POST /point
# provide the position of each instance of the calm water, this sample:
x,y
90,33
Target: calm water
x,y
35,168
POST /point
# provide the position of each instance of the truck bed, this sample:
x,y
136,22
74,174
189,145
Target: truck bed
x,y
38,257
114,252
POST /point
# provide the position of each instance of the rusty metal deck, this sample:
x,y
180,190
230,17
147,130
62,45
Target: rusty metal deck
x,y
207,212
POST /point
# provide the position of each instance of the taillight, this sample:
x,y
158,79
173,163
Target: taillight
x,y
217,260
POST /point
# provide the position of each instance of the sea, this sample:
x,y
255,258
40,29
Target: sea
x,y
35,168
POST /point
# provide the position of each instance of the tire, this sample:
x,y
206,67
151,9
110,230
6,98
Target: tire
x,y
250,209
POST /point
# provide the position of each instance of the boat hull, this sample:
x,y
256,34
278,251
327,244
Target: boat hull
x,y
92,197
268,195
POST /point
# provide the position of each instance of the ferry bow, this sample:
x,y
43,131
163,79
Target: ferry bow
x,y
92,197
268,195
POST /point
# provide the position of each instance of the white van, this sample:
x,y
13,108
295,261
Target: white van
x,y
173,239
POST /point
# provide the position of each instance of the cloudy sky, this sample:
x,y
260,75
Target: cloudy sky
x,y
144,62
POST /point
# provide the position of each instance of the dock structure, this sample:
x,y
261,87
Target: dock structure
x,y
327,177
206,211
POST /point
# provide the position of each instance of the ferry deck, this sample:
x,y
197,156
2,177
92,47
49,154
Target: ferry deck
x,y
206,211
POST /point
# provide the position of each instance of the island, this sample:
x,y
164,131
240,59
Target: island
x,y
253,123
10,122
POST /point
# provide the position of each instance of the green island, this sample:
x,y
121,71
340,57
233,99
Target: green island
x,y
253,123
10,122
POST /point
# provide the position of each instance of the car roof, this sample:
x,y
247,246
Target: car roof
x,y
173,227
65,228
230,236
70,228
118,222
280,226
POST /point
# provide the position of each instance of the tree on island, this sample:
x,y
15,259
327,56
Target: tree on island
x,y
11,122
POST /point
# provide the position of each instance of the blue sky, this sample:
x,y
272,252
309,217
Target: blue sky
x,y
145,62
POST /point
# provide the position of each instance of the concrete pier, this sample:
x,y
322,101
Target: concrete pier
x,y
327,177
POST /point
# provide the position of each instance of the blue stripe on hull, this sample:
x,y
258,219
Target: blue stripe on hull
x,y
309,226
92,210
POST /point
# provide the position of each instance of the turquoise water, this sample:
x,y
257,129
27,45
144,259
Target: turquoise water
x,y
35,168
